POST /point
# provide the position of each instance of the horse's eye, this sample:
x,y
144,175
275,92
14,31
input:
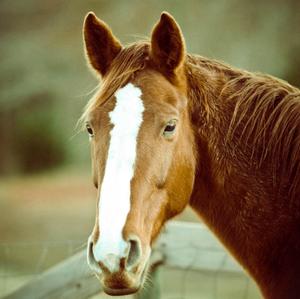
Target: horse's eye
x,y
90,130
170,128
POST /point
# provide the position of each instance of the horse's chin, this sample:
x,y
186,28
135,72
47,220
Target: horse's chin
x,y
123,283
120,292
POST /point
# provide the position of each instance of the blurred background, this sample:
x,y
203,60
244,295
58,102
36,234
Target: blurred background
x,y
46,192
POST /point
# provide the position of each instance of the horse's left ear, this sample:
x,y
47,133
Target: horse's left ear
x,y
100,43
167,44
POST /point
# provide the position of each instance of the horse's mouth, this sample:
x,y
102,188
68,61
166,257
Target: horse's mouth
x,y
120,289
120,292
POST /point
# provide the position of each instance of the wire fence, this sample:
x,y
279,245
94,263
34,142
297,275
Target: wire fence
x,y
20,262
23,261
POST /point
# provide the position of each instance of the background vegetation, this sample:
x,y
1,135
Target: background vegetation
x,y
44,81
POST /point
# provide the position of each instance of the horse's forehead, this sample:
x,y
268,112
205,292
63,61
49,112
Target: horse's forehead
x,y
151,88
156,89
153,97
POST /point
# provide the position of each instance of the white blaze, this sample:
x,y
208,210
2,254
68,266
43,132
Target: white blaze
x,y
114,197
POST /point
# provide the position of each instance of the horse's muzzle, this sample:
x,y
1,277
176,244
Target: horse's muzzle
x,y
120,275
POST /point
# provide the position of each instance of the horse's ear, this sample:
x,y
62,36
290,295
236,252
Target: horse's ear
x,y
100,44
167,44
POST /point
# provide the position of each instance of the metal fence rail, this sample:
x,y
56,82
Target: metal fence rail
x,y
186,246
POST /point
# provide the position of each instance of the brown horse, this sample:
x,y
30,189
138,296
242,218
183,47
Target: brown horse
x,y
168,129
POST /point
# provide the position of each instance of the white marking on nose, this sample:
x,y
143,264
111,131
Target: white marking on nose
x,y
114,197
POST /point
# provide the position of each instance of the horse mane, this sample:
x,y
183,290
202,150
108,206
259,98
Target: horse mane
x,y
266,123
257,115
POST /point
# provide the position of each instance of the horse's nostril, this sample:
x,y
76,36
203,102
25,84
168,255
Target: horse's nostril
x,y
135,252
91,258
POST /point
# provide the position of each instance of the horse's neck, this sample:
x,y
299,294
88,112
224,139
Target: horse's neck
x,y
206,80
221,193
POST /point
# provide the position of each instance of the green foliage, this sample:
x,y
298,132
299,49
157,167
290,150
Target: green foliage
x,y
37,144
42,57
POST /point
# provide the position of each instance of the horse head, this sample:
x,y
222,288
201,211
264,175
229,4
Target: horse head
x,y
142,147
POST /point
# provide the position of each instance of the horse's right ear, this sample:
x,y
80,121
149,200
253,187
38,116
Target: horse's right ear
x,y
100,44
167,44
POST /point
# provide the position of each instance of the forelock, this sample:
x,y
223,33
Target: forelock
x,y
128,62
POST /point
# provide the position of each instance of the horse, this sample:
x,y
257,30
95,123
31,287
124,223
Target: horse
x,y
169,129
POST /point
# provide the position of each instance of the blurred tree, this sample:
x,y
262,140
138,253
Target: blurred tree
x,y
29,140
36,144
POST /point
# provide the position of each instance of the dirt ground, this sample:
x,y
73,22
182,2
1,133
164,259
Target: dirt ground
x,y
47,217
